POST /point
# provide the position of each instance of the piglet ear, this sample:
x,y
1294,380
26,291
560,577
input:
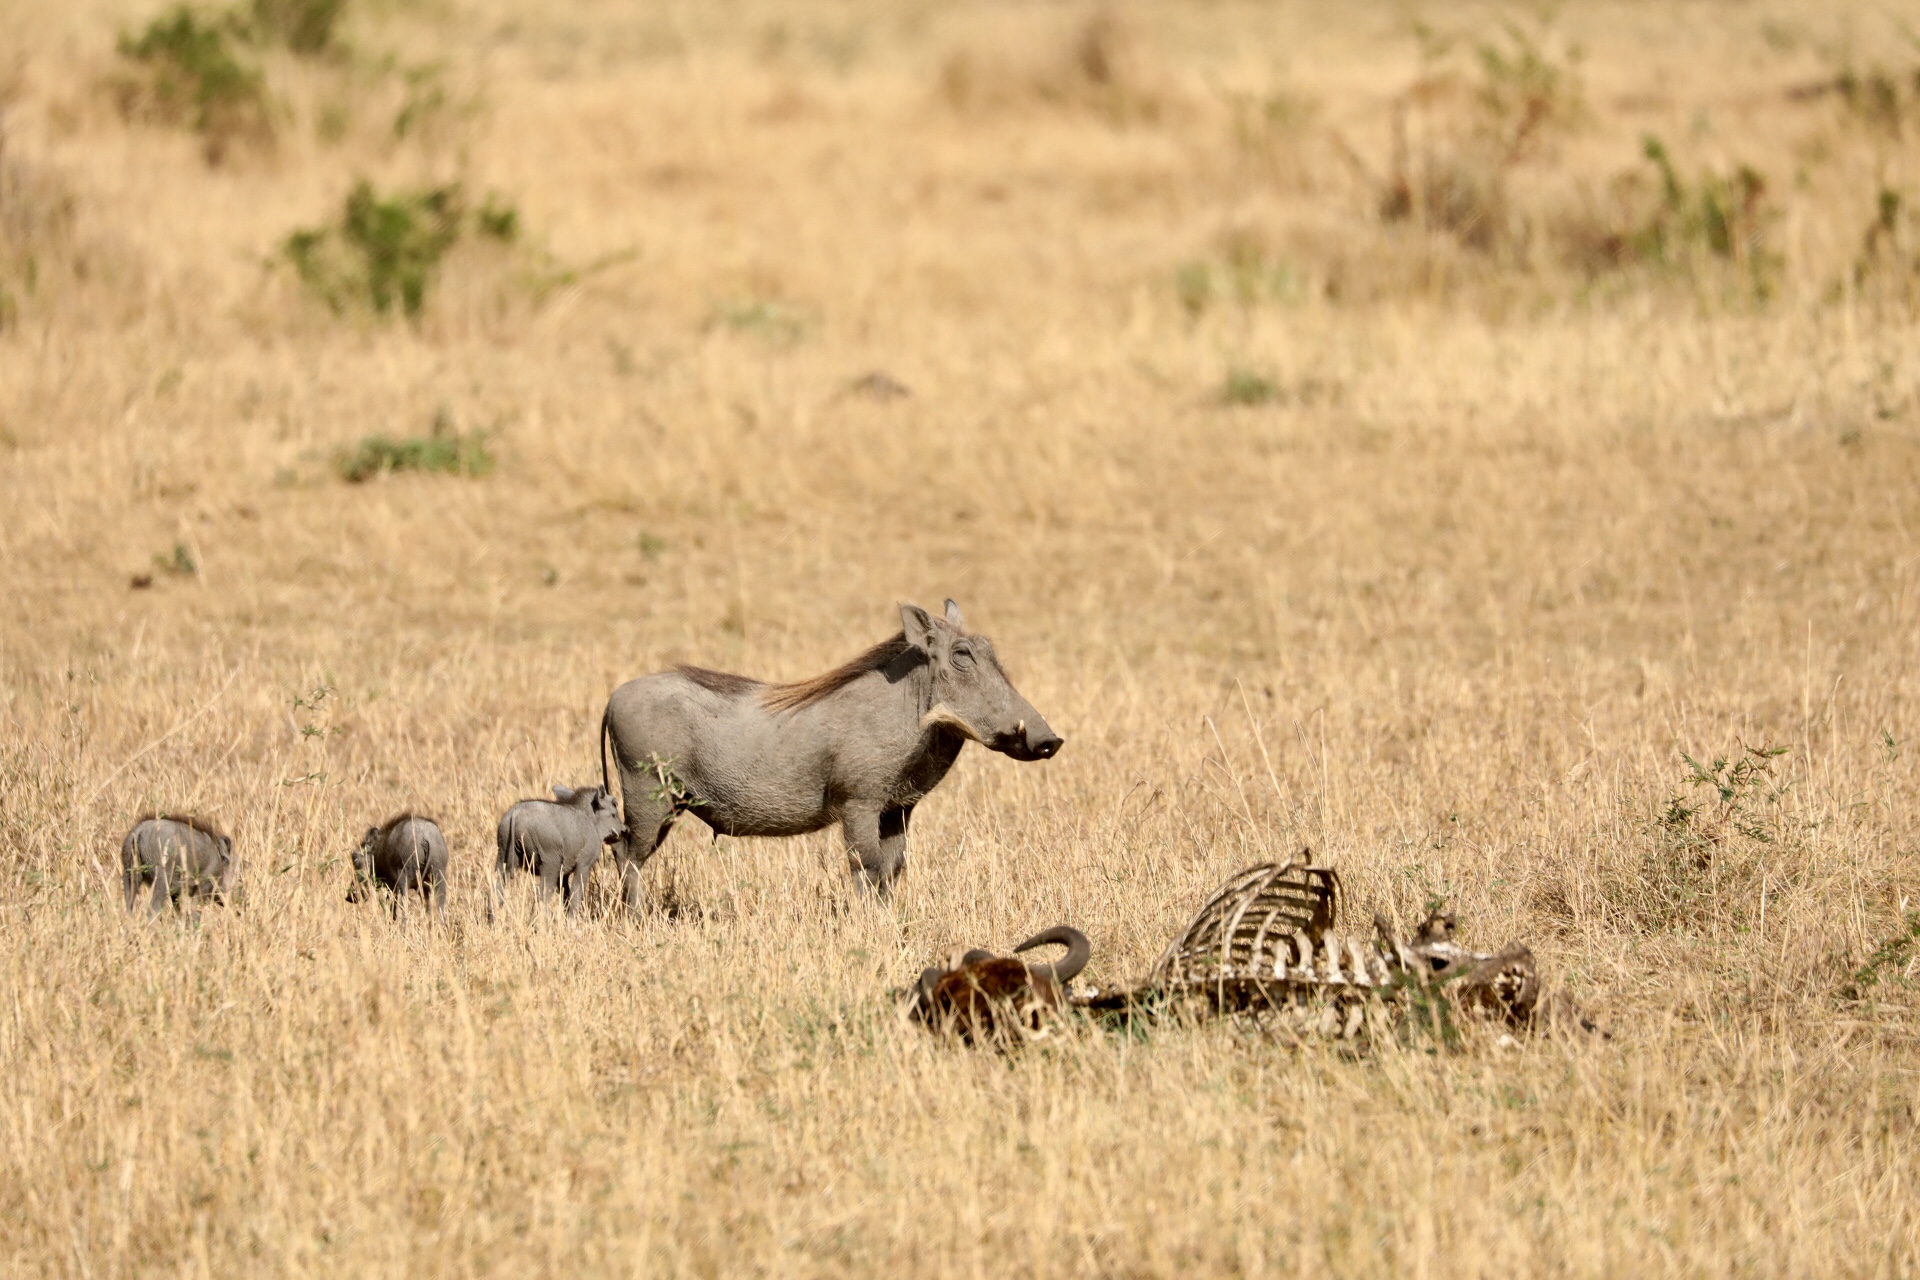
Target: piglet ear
x,y
562,794
953,617
917,625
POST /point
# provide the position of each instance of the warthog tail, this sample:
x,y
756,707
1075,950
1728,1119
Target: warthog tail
x,y
606,734
1068,967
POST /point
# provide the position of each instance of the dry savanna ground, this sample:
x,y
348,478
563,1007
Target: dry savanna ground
x,y
1460,440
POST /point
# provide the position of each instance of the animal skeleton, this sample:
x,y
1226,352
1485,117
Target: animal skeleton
x,y
1267,942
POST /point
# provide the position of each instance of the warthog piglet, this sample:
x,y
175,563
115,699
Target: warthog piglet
x,y
558,840
404,852
184,857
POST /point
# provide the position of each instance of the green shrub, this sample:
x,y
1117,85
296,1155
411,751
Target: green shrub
x,y
386,250
1247,273
1658,219
775,322
181,563
1193,283
443,449
497,219
1243,386
1881,99
1723,833
37,236
194,77
1886,271
304,26
1458,137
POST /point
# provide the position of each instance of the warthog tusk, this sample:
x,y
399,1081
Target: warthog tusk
x,y
1021,728
944,715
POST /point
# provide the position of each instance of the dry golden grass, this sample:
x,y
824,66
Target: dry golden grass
x,y
1508,535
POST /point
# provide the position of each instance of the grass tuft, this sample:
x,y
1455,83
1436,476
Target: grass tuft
x,y
442,450
1245,387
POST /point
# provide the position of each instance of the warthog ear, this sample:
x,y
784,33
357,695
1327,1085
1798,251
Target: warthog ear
x,y
917,625
953,617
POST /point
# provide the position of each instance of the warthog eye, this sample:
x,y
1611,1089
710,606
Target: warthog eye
x,y
962,658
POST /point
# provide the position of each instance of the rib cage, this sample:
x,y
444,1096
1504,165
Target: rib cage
x,y
1267,940
1269,922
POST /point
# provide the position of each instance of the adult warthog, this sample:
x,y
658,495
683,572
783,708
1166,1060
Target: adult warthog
x,y
184,856
404,852
860,745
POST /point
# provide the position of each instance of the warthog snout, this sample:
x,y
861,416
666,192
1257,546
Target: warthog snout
x,y
1029,740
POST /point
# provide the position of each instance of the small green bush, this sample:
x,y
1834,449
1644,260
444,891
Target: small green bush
x,y
1459,136
1244,387
181,563
37,236
497,219
1193,284
387,249
1886,271
1660,220
1722,212
774,322
443,449
1883,100
194,77
304,26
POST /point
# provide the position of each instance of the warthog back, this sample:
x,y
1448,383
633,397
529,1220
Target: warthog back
x,y
183,856
405,852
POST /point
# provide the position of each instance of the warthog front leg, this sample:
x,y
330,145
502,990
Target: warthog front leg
x,y
893,839
876,845
650,815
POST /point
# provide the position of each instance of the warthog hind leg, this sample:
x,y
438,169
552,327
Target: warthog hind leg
x,y
549,878
575,881
162,887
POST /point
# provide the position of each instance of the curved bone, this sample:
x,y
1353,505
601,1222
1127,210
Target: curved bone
x,y
1331,948
1357,963
1068,967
